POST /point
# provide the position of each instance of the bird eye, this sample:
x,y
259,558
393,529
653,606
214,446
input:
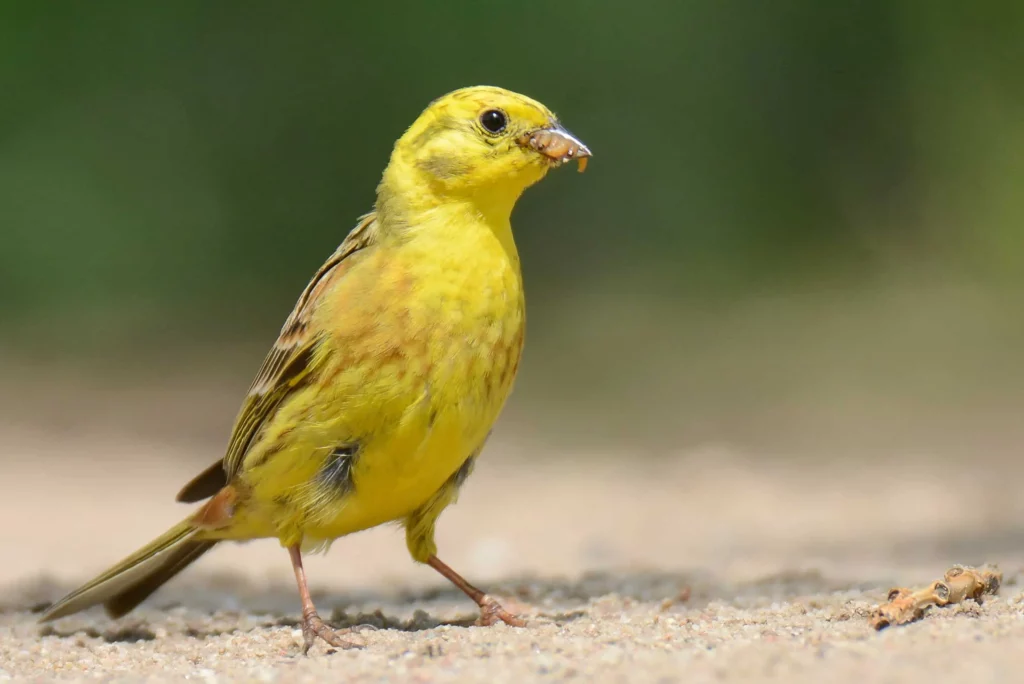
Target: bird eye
x,y
494,120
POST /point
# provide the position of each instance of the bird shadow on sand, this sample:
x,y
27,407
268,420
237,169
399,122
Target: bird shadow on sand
x,y
215,604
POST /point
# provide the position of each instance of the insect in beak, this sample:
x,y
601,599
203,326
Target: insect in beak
x,y
557,144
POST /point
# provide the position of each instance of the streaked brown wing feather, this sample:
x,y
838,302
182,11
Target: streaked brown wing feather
x,y
285,368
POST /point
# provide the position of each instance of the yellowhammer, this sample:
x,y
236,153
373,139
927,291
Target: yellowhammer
x,y
390,371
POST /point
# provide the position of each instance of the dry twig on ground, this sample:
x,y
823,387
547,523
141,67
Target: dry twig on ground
x,y
958,584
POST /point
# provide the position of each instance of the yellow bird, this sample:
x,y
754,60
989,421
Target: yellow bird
x,y
390,371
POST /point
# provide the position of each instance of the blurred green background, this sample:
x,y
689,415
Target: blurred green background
x,y
801,228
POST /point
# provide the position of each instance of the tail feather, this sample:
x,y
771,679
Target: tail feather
x,y
126,601
131,581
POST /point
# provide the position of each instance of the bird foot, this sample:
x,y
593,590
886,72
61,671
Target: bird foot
x,y
313,628
491,612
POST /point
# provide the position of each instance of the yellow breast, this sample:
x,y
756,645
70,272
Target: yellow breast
x,y
425,344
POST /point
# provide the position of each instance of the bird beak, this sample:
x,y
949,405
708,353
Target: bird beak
x,y
557,144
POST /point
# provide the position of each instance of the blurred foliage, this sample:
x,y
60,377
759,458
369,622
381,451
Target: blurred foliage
x,y
166,164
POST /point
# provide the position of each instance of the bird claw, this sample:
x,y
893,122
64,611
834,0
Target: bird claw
x,y
491,613
365,627
313,628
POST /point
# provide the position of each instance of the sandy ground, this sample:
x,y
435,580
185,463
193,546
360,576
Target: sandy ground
x,y
782,563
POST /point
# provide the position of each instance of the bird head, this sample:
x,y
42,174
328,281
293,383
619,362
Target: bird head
x,y
484,141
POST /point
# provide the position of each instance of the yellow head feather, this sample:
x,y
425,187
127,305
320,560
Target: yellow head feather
x,y
480,142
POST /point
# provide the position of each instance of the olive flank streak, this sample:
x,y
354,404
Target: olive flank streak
x,y
445,167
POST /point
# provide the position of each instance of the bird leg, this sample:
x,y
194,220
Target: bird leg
x,y
490,610
312,625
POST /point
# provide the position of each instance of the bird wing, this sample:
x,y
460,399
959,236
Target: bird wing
x,y
284,369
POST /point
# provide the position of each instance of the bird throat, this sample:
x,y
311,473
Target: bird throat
x,y
407,203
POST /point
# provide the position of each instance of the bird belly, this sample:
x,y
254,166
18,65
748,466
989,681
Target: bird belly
x,y
397,475
407,395
401,468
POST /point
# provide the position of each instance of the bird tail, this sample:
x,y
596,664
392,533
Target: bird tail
x,y
131,581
